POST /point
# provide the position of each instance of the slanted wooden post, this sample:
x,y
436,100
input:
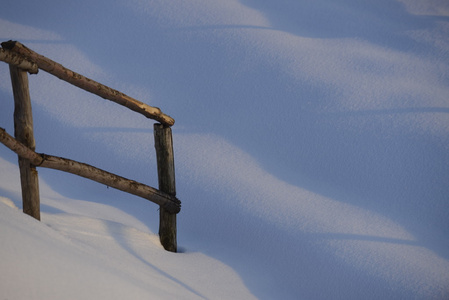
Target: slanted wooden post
x,y
23,131
163,143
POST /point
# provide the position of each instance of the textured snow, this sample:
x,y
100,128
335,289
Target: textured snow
x,y
311,150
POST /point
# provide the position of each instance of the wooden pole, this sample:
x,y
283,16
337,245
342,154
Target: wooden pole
x,y
163,143
168,202
23,131
88,84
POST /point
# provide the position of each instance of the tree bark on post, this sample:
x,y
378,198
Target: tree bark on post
x,y
163,143
23,131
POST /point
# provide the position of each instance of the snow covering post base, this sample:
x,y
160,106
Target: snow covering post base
x,y
23,131
163,143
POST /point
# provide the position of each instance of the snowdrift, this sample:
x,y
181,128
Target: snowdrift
x,y
311,150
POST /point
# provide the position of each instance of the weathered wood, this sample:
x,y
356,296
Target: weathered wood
x,y
23,131
19,148
169,202
19,61
88,84
166,174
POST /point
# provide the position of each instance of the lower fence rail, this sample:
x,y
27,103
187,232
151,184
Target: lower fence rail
x,y
167,201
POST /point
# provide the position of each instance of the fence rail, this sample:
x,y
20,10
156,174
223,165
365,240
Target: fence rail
x,y
85,83
22,60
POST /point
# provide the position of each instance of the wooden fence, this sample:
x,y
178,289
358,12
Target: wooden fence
x,y
22,60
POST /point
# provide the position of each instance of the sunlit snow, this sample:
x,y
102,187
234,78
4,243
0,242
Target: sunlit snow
x,y
311,150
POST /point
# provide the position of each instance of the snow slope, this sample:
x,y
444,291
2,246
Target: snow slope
x,y
311,148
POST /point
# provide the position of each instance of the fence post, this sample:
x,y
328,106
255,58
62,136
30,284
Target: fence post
x,y
163,143
23,131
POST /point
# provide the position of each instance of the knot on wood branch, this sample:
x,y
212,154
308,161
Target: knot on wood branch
x,y
173,206
8,44
43,157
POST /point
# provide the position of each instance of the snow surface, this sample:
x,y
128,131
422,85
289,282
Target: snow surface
x,y
311,150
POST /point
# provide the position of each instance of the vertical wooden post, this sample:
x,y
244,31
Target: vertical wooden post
x,y
163,143
23,131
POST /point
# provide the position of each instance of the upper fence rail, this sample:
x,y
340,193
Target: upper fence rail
x,y
21,56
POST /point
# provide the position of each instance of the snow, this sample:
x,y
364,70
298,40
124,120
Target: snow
x,y
311,150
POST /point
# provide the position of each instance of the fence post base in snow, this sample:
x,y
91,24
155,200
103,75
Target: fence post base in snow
x,y
163,143
23,131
